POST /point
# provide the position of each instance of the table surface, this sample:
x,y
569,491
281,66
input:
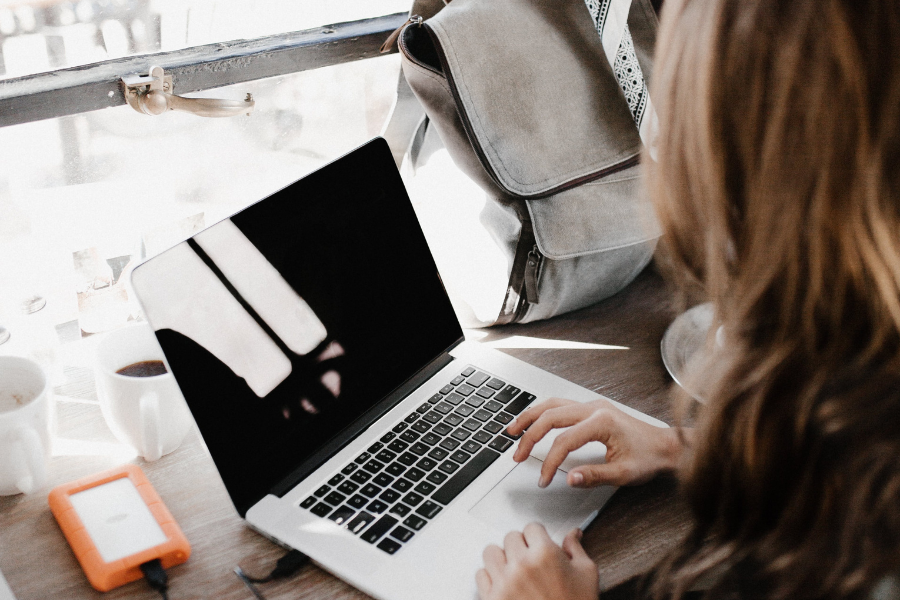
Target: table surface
x,y
637,526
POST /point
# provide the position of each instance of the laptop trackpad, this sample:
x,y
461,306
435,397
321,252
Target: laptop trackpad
x,y
517,500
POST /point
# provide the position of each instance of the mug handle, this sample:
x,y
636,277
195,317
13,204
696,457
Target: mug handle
x,y
150,427
32,472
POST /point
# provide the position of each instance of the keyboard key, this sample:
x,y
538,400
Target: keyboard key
x,y
415,522
500,444
471,447
449,467
430,439
472,425
409,437
402,485
492,427
360,522
322,491
399,509
395,469
493,406
423,409
475,401
432,417
457,380
362,458
510,436
421,426
482,415
358,501
466,475
373,466
465,389
495,384
453,399
426,464
468,371
464,410
388,437
411,418
412,499
308,502
453,419
519,404
485,392
342,515
424,488
435,399
399,427
375,447
336,479
419,448
370,490
402,533
385,456
429,510
414,474
443,408
442,429
383,479
389,545
349,468
381,527
437,477
437,454
461,434
390,496
460,456
449,444
507,394
398,446
320,510
503,417
482,437
347,488
446,389
477,379
408,459
377,506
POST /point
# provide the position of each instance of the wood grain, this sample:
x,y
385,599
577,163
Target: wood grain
x,y
636,528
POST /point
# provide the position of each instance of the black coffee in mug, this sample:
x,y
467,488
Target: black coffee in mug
x,y
145,368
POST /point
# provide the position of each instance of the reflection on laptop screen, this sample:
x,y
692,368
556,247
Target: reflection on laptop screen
x,y
288,321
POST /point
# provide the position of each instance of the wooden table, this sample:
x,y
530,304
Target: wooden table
x,y
633,531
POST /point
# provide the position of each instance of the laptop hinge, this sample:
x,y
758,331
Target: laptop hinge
x,y
352,431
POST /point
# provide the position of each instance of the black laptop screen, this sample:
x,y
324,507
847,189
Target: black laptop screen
x,y
287,322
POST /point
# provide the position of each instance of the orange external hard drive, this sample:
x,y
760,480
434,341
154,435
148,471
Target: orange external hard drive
x,y
115,522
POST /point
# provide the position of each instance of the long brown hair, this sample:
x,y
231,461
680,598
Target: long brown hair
x,y
778,188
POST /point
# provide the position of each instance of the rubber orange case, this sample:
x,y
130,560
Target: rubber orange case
x,y
105,576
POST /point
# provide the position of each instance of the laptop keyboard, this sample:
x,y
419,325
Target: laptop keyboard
x,y
393,489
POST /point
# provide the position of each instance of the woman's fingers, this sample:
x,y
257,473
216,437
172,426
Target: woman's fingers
x,y
595,428
483,582
550,418
514,545
524,420
572,546
494,560
605,474
536,536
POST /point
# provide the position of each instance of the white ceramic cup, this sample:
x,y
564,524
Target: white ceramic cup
x,y
147,413
24,426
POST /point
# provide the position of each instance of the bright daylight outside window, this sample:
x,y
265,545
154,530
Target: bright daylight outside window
x,y
83,197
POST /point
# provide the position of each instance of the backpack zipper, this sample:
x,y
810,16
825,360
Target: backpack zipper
x,y
389,42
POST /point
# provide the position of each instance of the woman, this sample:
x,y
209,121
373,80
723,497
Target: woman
x,y
778,187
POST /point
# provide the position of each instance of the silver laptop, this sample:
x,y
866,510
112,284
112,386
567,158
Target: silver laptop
x,y
331,382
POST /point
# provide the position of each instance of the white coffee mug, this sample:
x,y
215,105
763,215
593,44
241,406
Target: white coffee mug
x,y
24,426
147,413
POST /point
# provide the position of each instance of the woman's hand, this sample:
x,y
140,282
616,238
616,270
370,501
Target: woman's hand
x,y
635,451
531,567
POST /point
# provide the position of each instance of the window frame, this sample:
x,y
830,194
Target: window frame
x,y
96,86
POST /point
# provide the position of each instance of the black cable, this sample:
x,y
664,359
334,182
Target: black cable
x,y
156,577
287,565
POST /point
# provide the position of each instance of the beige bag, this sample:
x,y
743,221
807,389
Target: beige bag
x,y
526,102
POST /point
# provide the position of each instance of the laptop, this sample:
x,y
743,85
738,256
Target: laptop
x,y
332,384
